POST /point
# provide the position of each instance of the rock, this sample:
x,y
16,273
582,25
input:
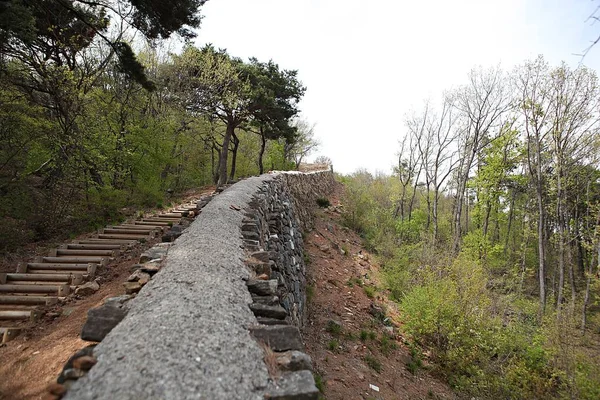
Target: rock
x,y
103,319
153,253
132,287
87,288
150,268
72,373
278,337
262,310
271,321
56,389
324,248
138,276
84,363
170,236
263,277
258,266
261,256
299,385
267,300
294,361
263,288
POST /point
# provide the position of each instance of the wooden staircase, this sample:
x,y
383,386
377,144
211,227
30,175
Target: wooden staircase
x,y
48,280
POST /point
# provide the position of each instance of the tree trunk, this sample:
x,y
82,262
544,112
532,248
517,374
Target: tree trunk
x,y
511,214
588,284
225,152
263,143
561,239
236,143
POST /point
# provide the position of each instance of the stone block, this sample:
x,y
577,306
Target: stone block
x,y
294,361
262,310
267,300
271,321
103,319
278,337
262,288
299,385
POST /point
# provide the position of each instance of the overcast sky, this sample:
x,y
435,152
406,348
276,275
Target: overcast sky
x,y
366,64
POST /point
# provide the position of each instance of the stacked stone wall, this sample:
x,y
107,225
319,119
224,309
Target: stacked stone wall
x,y
230,295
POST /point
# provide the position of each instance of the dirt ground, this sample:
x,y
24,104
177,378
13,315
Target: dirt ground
x,y
35,358
357,352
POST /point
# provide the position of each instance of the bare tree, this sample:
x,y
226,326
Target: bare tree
x,y
409,161
437,157
481,103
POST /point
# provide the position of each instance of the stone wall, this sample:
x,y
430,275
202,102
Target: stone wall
x,y
231,293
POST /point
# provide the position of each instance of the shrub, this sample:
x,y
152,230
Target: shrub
x,y
323,202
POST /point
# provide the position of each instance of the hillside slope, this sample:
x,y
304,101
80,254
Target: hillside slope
x,y
351,333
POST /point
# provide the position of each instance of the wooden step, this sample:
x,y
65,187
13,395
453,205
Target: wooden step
x,y
83,253
171,215
8,333
121,242
74,260
15,315
112,231
122,236
57,268
82,246
41,300
41,279
56,289
152,221
144,228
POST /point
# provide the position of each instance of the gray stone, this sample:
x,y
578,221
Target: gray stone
x,y
153,253
262,310
87,288
73,373
271,321
278,337
132,287
103,319
294,361
138,275
150,268
267,300
263,288
263,256
299,385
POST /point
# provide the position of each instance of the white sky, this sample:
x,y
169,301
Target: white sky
x,y
366,64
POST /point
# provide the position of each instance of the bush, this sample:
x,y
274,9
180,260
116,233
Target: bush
x,y
323,202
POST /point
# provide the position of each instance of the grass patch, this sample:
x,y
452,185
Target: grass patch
x,y
373,363
319,382
415,363
334,328
310,293
369,291
354,281
333,345
387,344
